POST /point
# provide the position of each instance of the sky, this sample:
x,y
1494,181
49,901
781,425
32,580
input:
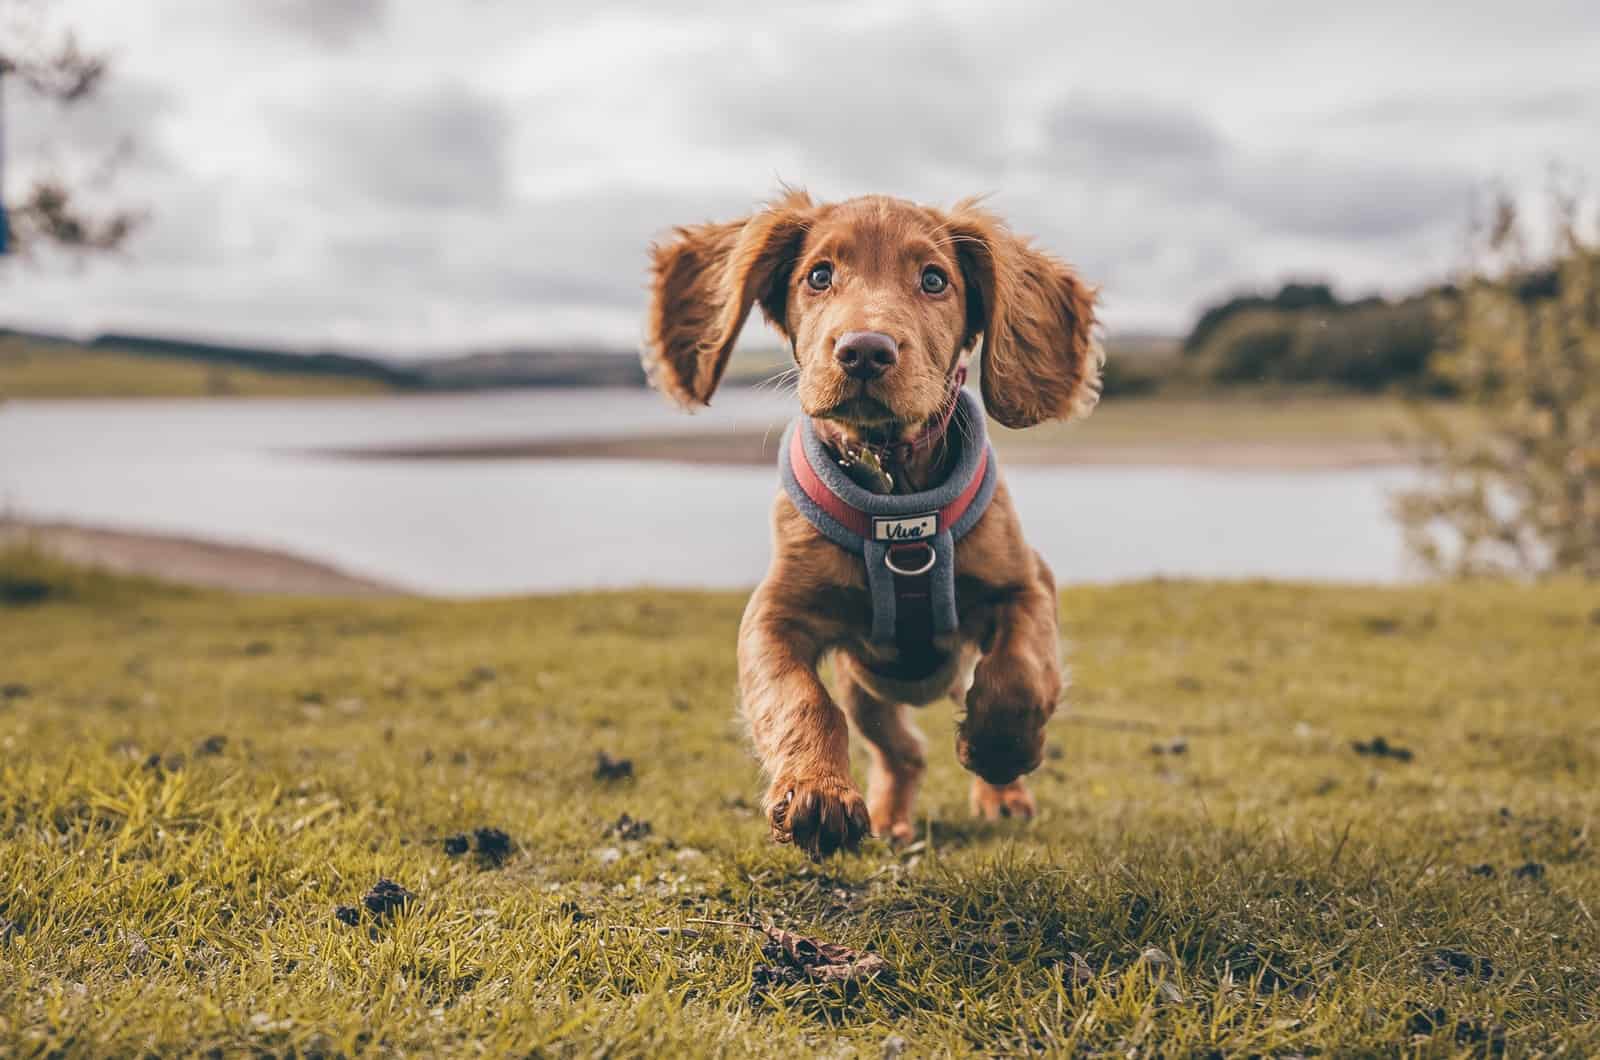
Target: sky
x,y
412,177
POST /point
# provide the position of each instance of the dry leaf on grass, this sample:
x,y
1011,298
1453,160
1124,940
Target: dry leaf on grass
x,y
799,958
826,962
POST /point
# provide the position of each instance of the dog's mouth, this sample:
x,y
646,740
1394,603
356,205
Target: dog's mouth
x,y
864,415
862,412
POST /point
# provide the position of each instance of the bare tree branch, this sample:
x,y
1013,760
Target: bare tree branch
x,y
50,213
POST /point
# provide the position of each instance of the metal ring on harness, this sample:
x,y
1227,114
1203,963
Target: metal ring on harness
x,y
933,557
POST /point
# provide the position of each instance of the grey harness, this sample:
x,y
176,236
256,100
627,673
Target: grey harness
x,y
907,541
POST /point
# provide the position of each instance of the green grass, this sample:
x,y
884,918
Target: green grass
x,y
1301,891
41,370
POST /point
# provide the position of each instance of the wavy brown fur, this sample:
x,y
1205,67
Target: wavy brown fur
x,y
1036,318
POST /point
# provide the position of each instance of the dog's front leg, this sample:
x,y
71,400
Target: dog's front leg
x,y
1014,692
799,733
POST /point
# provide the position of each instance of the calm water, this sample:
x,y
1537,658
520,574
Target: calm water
x,y
237,471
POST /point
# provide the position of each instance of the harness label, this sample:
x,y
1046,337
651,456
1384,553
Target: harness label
x,y
905,528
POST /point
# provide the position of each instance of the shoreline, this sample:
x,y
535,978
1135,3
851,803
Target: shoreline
x,y
760,449
191,561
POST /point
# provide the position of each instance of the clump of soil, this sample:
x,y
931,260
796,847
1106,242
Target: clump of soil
x,y
492,845
608,768
1378,747
387,898
628,827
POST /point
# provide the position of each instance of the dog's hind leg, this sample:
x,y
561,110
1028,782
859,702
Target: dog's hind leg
x,y
895,749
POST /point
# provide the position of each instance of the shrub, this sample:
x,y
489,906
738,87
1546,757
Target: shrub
x,y
1368,345
1520,492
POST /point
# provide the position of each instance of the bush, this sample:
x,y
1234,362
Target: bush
x,y
1290,297
1369,345
1521,492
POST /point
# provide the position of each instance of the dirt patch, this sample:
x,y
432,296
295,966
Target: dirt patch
x,y
609,768
189,561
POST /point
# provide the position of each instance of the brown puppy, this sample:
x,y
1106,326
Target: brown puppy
x,y
880,300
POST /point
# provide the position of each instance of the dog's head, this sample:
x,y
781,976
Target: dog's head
x,y
879,299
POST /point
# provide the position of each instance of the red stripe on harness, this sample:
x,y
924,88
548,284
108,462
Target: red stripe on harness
x,y
851,518
951,513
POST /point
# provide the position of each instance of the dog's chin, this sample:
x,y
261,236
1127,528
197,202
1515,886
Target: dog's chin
x,y
861,412
863,416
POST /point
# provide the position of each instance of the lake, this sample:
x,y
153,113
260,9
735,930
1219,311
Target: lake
x,y
242,472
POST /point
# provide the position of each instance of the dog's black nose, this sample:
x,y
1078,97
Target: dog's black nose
x,y
865,354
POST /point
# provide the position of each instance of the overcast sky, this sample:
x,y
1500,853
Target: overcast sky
x,y
416,176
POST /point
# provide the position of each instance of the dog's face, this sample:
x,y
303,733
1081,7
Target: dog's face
x,y
877,315
879,298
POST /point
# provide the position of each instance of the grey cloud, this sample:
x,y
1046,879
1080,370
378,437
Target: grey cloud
x,y
1174,160
582,250
1124,134
1305,195
1559,105
520,209
592,247
332,23
441,150
123,119
896,108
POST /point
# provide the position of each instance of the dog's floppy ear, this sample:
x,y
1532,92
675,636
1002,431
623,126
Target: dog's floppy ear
x,y
704,281
1041,358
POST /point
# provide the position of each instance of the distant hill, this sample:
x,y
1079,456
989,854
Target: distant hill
x,y
511,368
110,364
47,366
261,359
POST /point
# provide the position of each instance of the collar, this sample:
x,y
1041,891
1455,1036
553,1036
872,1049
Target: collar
x,y
892,517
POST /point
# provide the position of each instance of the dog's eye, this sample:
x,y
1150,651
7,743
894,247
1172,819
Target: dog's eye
x,y
820,277
934,281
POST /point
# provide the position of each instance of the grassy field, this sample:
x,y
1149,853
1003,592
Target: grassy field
x,y
33,370
192,784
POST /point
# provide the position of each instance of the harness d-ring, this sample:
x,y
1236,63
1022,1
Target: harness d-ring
x,y
933,557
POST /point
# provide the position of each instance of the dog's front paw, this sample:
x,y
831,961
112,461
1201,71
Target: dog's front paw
x,y
1001,746
817,814
1002,735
